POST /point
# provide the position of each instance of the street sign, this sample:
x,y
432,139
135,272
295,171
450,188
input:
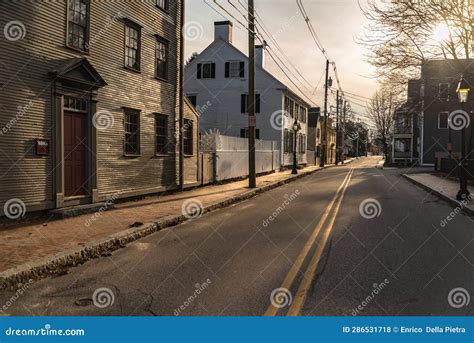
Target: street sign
x,y
252,121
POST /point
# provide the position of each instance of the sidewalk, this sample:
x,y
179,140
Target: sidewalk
x,y
43,248
443,188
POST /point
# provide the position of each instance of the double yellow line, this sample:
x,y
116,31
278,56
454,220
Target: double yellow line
x,y
310,272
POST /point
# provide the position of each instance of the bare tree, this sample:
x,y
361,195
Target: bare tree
x,y
380,112
401,34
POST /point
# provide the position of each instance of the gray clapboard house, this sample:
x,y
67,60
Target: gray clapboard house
x,y
90,102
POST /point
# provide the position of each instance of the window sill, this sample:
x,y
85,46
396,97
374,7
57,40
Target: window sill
x,y
137,71
82,52
162,80
164,10
162,155
188,155
132,155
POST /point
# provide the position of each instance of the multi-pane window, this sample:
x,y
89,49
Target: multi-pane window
x,y
78,24
132,46
206,70
163,4
443,120
244,133
76,104
188,136
132,132
444,91
161,134
161,58
244,103
235,69
193,99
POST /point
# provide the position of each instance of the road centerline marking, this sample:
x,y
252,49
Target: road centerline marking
x,y
310,273
295,268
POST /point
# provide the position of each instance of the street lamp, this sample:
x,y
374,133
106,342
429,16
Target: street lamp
x,y
463,96
296,128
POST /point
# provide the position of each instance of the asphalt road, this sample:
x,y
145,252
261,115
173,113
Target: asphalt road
x,y
331,260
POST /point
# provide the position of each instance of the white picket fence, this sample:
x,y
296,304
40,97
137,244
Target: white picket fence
x,y
226,157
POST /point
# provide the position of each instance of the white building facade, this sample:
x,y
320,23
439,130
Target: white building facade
x,y
217,79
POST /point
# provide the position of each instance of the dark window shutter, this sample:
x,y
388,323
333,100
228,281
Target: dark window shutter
x,y
227,69
243,101
257,103
257,133
213,71
242,69
199,69
242,133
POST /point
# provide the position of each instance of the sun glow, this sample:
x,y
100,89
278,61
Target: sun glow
x,y
441,32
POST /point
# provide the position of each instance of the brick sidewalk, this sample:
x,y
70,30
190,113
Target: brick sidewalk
x,y
39,240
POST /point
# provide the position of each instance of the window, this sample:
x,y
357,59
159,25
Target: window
x,y
443,120
292,108
286,138
161,134
76,104
193,99
444,91
234,69
161,58
188,136
206,70
132,132
302,143
244,103
244,133
318,133
132,46
78,24
163,4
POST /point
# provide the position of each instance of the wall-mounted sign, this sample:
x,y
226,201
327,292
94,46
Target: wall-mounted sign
x,y
42,147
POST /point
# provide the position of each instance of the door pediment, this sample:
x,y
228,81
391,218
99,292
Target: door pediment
x,y
79,73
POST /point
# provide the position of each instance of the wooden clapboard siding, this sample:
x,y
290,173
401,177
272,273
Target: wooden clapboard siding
x,y
24,72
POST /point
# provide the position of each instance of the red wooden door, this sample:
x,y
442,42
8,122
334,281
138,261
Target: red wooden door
x,y
75,154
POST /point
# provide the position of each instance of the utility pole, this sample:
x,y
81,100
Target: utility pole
x,y
337,127
343,133
251,96
322,161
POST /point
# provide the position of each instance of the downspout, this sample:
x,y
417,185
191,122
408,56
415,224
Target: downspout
x,y
181,98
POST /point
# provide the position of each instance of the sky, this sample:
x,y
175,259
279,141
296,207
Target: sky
x,y
337,23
